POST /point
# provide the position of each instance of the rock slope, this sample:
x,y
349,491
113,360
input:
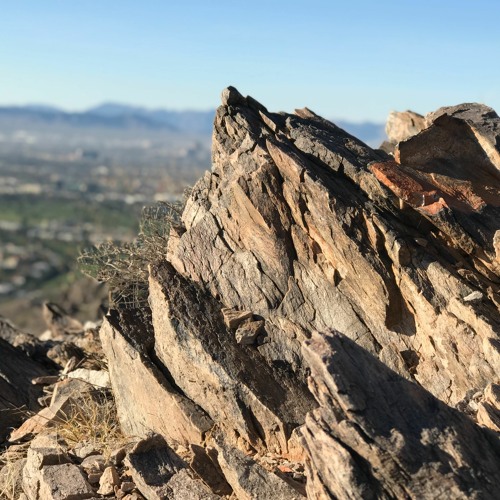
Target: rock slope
x,y
324,321
302,228
304,225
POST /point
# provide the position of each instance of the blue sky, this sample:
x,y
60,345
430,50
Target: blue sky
x,y
352,60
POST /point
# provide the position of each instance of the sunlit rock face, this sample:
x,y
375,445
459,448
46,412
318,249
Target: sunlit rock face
x,y
323,322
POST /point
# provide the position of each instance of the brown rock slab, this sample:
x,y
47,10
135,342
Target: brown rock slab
x,y
64,399
233,318
489,416
488,412
93,463
248,331
402,125
415,445
483,121
459,154
160,408
68,389
492,394
108,480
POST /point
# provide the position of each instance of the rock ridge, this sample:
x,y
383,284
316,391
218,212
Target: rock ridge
x,y
322,323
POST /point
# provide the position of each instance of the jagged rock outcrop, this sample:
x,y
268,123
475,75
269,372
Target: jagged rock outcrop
x,y
300,228
457,162
322,305
298,223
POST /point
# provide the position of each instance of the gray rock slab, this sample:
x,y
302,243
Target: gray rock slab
x,y
63,482
160,408
152,463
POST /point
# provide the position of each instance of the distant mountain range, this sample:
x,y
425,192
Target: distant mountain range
x,y
122,116
116,116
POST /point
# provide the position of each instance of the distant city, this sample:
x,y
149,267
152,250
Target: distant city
x,y
72,180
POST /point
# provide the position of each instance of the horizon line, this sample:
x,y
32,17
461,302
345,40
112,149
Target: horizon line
x,y
140,107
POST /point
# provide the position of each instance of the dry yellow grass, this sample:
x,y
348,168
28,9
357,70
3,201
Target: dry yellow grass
x,y
10,464
10,459
93,421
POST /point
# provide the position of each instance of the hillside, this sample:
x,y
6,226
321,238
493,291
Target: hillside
x,y
318,320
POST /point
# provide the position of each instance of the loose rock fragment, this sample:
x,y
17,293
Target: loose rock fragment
x,y
63,482
108,481
152,463
127,486
248,479
247,332
97,378
472,297
234,318
182,486
403,125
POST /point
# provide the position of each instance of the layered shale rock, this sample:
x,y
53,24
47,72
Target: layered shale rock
x,y
324,321
377,435
259,403
144,395
309,228
301,230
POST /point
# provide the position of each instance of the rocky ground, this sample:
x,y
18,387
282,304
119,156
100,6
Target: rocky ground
x,y
322,323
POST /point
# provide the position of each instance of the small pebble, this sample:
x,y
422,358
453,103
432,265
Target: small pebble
x,y
127,486
94,477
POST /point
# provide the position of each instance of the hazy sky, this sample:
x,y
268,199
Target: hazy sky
x,y
352,59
